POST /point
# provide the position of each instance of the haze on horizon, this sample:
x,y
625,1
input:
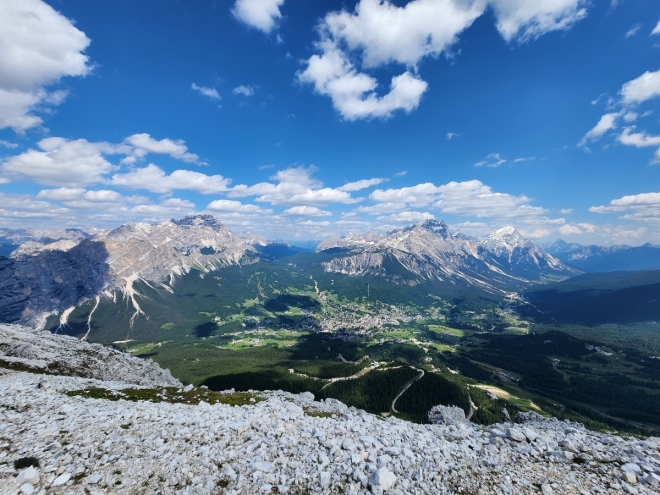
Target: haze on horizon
x,y
302,120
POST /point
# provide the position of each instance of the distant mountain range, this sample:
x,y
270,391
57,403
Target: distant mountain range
x,y
428,250
606,258
56,272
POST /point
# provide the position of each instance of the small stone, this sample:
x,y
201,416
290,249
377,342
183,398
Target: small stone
x,y
515,434
631,467
60,480
93,479
188,388
530,434
546,489
383,478
630,478
29,475
27,489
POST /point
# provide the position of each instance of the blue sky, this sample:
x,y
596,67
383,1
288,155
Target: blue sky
x,y
301,119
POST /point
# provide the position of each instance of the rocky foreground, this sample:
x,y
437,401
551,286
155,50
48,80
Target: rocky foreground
x,y
73,435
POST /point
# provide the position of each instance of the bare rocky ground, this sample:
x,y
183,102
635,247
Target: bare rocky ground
x,y
130,428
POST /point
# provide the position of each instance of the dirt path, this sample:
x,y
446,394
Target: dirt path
x,y
406,387
344,360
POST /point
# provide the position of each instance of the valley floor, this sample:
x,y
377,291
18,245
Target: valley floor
x,y
277,442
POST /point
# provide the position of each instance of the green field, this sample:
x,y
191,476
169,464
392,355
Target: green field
x,y
266,326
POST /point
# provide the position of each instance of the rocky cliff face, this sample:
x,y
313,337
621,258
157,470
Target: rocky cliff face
x,y
429,250
105,434
43,278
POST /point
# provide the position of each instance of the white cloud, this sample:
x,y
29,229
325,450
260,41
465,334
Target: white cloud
x,y
38,46
418,195
306,211
210,92
566,211
633,30
477,199
353,93
17,209
524,159
401,174
260,14
643,88
524,20
230,206
8,144
244,90
606,123
378,33
144,144
62,162
469,198
169,208
408,217
295,187
64,194
580,228
493,160
361,184
656,29
153,178
643,207
379,208
452,135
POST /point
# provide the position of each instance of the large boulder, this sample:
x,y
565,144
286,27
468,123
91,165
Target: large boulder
x,y
447,415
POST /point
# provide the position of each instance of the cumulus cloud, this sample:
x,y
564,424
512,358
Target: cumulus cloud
x,y
575,229
644,207
76,163
306,211
523,20
632,94
64,194
231,206
469,198
294,187
260,14
244,90
38,46
493,160
154,179
408,217
143,144
209,92
642,88
63,162
378,33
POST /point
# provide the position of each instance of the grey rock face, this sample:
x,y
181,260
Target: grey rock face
x,y
447,415
61,355
41,279
429,251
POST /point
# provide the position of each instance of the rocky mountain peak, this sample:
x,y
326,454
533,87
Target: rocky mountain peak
x,y
508,232
435,226
199,221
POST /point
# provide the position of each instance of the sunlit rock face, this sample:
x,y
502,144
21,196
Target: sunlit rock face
x,y
429,250
44,278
